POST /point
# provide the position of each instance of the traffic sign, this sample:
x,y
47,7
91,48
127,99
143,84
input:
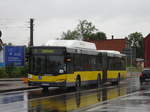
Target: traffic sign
x,y
14,55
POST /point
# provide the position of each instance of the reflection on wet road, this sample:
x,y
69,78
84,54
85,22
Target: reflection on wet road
x,y
36,101
136,102
76,100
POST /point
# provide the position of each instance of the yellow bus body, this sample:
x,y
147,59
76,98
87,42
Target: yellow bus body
x,y
84,75
112,74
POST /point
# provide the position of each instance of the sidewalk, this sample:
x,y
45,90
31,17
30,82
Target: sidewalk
x,y
133,74
13,84
10,79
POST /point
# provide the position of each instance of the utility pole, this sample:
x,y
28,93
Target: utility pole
x,y
1,42
29,54
31,31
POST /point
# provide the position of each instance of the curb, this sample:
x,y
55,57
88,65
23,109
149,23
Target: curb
x,y
18,89
11,79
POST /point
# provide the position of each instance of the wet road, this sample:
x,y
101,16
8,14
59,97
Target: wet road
x,y
136,102
58,100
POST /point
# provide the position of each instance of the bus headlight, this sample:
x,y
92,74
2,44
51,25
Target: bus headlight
x,y
29,76
61,71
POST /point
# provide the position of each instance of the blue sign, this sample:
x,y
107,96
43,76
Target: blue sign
x,y
2,64
14,55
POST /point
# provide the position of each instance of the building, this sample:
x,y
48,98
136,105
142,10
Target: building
x,y
111,44
147,51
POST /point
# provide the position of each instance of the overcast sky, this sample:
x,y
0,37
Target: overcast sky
x,y
52,17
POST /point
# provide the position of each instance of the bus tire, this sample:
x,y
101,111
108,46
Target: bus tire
x,y
99,81
78,83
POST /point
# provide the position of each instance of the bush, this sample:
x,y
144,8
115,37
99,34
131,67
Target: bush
x,y
3,73
13,72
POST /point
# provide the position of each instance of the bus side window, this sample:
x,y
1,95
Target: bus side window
x,y
76,62
85,62
70,63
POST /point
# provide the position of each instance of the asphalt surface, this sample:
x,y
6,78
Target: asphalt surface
x,y
7,85
136,102
129,96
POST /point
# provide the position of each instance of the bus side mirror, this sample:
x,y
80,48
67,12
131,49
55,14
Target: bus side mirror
x,y
68,59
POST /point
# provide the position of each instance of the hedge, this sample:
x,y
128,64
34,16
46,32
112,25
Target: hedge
x,y
13,72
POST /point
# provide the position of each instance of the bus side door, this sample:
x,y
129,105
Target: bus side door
x,y
105,66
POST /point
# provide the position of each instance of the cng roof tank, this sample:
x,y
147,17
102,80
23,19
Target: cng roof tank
x,y
71,44
112,53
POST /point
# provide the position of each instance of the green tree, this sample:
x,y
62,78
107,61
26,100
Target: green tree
x,y
9,44
85,29
70,35
136,40
98,36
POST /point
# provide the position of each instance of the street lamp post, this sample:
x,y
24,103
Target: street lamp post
x,y
1,42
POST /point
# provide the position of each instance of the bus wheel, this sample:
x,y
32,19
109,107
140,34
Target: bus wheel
x,y
78,83
99,81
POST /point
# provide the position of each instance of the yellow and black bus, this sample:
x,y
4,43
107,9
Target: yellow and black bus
x,y
73,63
114,66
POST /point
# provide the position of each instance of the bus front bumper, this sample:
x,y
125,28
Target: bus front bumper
x,y
48,84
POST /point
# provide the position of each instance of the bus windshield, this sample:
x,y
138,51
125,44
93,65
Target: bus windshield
x,y
49,64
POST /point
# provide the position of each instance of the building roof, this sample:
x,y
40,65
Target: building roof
x,y
148,36
110,44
